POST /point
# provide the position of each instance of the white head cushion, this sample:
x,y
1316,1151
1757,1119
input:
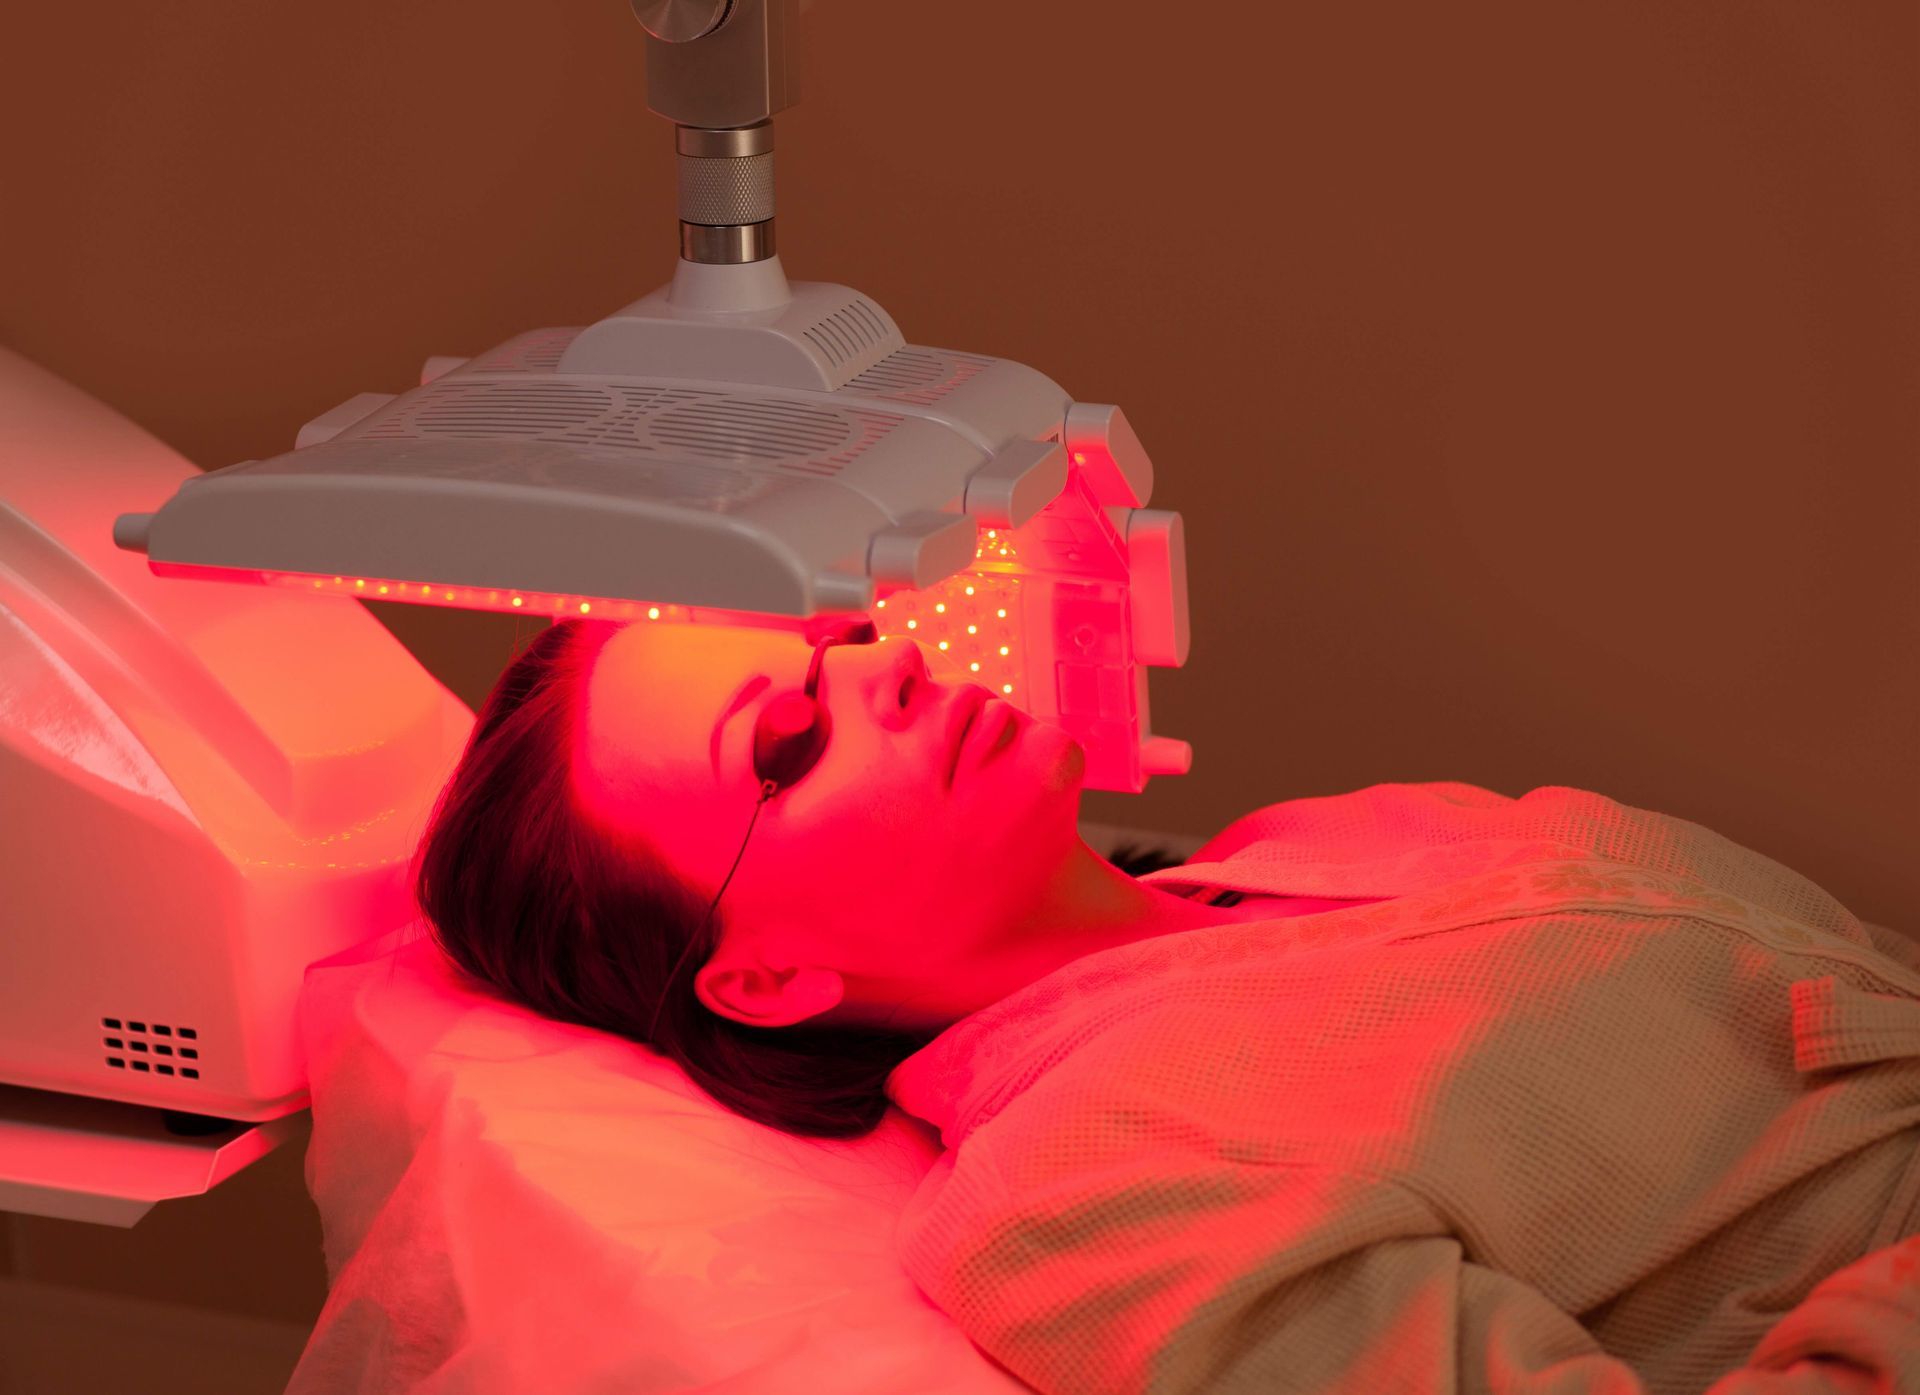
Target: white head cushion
x,y
515,1204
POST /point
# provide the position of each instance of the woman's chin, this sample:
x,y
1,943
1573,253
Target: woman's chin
x,y
1043,758
1062,758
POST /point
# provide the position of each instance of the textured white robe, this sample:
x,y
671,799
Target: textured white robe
x,y
1599,1101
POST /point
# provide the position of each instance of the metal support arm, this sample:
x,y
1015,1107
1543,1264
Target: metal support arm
x,y
719,70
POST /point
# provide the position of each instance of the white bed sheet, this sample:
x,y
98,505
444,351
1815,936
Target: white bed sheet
x,y
511,1204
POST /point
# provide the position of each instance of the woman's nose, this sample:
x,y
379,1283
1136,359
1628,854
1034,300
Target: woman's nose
x,y
942,667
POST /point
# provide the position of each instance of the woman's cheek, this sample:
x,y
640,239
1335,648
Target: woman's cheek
x,y
873,809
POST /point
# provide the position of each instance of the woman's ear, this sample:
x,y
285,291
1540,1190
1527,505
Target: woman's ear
x,y
754,995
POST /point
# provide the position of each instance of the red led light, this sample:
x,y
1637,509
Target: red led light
x,y
504,600
966,619
971,619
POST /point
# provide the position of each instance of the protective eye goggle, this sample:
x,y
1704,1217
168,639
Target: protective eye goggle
x,y
791,733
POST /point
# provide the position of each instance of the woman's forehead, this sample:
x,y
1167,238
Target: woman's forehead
x,y
657,688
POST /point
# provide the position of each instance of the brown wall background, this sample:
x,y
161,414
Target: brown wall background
x,y
1538,382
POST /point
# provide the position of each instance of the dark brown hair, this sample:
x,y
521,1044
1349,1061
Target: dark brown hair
x,y
532,899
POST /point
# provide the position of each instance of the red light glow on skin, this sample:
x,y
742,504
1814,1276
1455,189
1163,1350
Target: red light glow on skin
x,y
872,863
873,891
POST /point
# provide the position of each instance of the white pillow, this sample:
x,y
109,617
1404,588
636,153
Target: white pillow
x,y
511,1204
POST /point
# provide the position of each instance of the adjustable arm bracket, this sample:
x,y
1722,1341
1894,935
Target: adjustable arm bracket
x,y
719,64
719,70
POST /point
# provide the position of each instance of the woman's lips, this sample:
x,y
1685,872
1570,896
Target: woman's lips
x,y
966,709
991,731
1004,723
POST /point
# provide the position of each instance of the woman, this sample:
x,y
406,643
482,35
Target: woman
x,y
609,783
1532,1094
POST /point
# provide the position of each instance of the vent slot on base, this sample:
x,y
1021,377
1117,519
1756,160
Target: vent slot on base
x,y
156,1048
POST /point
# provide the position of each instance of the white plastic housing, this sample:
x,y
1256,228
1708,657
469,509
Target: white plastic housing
x,y
203,787
732,446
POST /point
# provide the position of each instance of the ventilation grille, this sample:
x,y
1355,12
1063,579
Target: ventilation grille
x,y
675,422
919,376
762,430
478,411
535,352
151,1048
846,334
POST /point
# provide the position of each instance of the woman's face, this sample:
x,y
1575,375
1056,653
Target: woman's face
x,y
890,862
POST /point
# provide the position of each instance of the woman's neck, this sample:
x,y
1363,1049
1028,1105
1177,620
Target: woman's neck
x,y
1086,906
1114,908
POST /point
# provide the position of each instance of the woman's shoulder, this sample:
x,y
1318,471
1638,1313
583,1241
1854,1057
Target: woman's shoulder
x,y
1377,811
1394,838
